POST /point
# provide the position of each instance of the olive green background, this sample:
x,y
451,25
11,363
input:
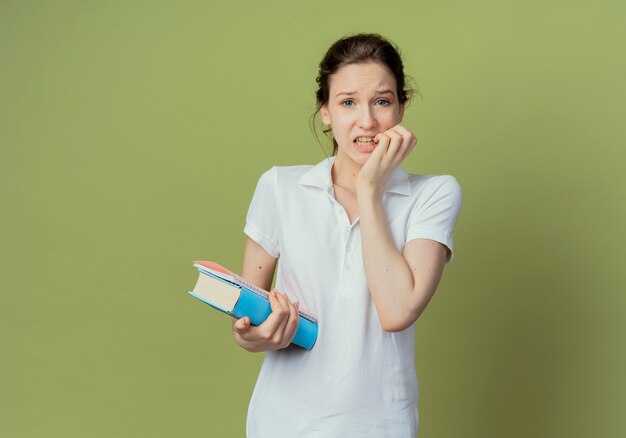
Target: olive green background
x,y
132,134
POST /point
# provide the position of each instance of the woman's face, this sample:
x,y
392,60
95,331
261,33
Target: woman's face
x,y
362,102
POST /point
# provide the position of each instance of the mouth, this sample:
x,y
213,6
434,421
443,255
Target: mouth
x,y
365,144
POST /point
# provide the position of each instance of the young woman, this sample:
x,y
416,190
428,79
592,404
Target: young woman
x,y
362,245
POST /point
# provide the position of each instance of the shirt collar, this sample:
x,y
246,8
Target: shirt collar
x,y
319,176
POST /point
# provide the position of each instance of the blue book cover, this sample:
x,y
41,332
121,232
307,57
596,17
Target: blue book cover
x,y
236,297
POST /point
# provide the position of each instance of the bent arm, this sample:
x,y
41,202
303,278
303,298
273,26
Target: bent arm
x,y
278,330
401,284
258,266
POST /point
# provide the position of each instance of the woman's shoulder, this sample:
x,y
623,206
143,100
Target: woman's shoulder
x,y
284,176
287,173
424,185
293,170
423,180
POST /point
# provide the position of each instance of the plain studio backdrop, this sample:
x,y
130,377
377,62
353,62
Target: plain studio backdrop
x,y
132,134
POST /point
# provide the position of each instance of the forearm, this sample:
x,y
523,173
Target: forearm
x,y
279,328
389,277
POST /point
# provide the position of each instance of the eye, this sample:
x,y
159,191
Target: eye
x,y
347,102
383,102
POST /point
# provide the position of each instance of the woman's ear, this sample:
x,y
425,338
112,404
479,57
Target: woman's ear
x,y
401,111
325,114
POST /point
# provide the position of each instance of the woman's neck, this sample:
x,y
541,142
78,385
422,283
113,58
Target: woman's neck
x,y
344,172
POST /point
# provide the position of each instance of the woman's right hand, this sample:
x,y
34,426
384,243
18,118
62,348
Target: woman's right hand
x,y
275,332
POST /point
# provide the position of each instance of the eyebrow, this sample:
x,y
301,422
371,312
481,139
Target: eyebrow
x,y
350,93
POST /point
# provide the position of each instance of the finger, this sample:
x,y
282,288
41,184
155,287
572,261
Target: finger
x,y
409,137
276,304
382,141
242,325
408,142
404,131
395,144
287,312
282,300
292,325
276,318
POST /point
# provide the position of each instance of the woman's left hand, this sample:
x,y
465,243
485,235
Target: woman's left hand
x,y
394,145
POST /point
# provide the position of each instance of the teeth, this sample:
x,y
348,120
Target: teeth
x,y
365,140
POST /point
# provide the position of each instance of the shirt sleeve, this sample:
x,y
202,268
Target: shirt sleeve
x,y
262,221
435,216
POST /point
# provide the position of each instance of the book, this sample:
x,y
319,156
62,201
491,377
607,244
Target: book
x,y
229,293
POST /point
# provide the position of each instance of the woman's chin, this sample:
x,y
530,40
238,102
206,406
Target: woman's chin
x,y
362,158
359,155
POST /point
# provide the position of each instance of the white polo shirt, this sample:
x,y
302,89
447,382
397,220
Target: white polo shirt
x,y
358,380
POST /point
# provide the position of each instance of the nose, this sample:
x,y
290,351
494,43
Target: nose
x,y
367,120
